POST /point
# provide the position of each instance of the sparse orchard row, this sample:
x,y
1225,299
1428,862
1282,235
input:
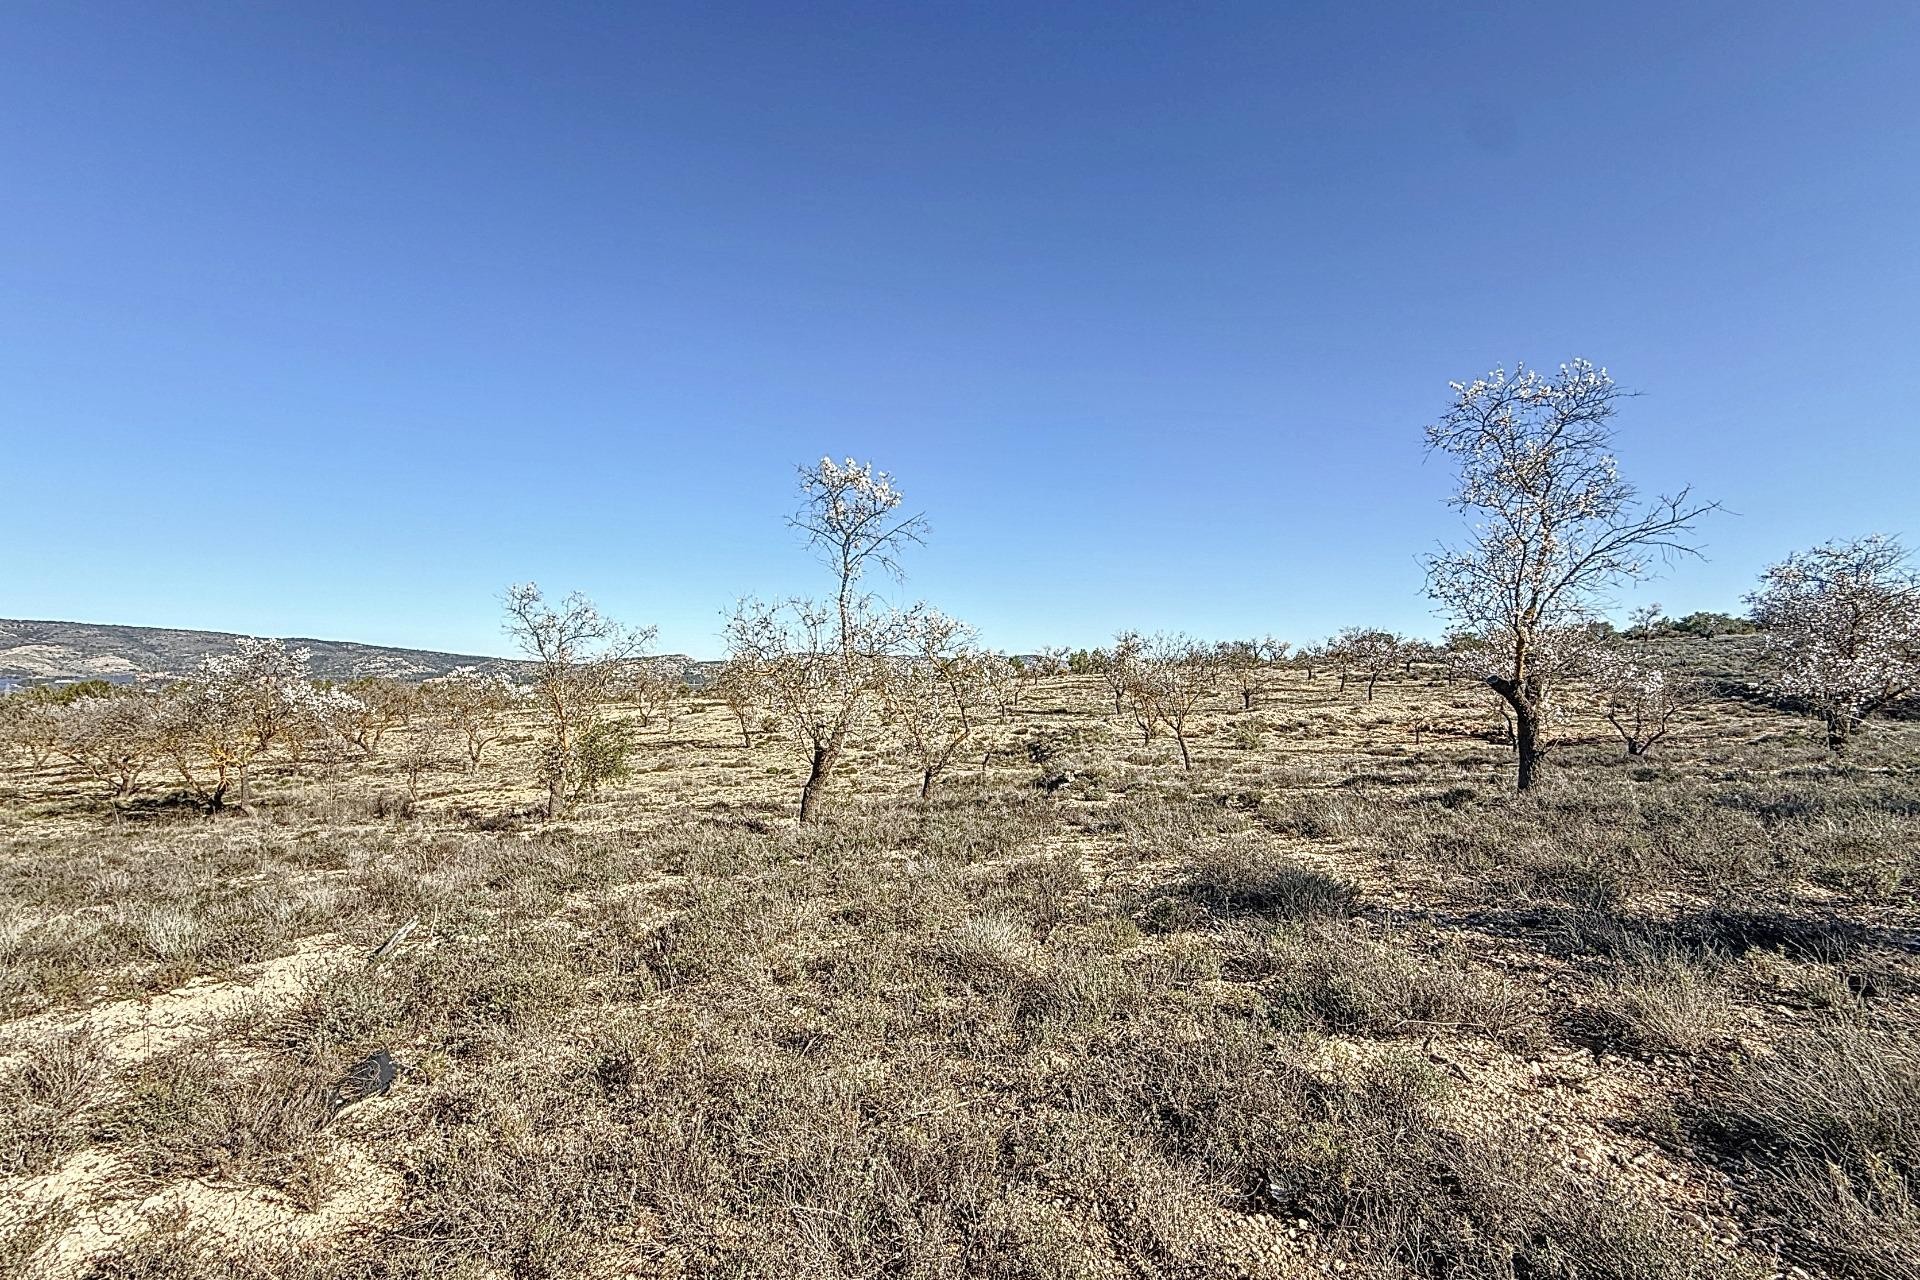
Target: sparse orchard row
x,y
1554,529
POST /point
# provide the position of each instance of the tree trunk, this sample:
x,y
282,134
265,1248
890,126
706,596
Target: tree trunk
x,y
819,767
926,781
1528,744
1246,699
1185,759
1839,729
1370,682
1526,720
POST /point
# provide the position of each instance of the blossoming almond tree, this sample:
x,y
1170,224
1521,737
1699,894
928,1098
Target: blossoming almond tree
x,y
1843,623
1554,527
821,663
1639,697
236,707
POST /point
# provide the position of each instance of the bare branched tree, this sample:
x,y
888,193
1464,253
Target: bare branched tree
x,y
741,686
1843,623
820,671
1369,651
1554,529
1246,668
1051,660
1172,676
113,740
1309,657
469,702
579,658
30,726
1116,665
941,688
658,688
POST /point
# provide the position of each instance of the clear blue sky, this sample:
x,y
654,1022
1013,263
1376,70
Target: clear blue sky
x,y
334,319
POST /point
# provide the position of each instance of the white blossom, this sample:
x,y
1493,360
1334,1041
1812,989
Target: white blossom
x,y
1843,626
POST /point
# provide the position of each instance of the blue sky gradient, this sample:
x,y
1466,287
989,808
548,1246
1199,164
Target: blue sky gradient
x,y
334,320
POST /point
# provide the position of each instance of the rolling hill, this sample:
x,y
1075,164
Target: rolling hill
x,y
34,652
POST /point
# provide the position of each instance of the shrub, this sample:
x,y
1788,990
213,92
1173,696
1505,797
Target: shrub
x,y
1826,1130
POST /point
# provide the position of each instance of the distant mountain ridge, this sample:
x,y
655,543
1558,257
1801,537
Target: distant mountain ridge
x,y
33,651
40,652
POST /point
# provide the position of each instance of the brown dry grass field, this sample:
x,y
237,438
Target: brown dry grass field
x,y
1337,1001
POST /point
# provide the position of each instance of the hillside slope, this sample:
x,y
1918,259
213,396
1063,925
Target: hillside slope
x,y
41,651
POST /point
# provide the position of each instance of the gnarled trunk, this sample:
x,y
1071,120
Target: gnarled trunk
x,y
819,769
1529,738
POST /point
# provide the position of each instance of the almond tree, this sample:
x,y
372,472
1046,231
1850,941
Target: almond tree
x,y
1172,675
30,723
1554,528
1644,623
469,701
740,685
235,708
821,662
1051,660
1245,665
820,671
382,703
323,725
658,687
851,515
1640,698
1339,654
203,735
1116,666
1842,621
579,658
940,688
1368,650
113,740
